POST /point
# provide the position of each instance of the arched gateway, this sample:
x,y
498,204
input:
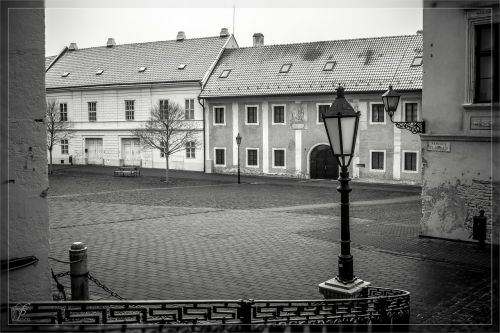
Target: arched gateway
x,y
322,163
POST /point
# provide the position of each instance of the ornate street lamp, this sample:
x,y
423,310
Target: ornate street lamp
x,y
341,124
238,142
391,101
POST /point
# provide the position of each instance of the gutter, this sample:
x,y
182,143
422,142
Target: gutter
x,y
204,131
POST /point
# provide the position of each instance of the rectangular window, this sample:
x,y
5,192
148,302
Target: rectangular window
x,y
252,157
189,109
378,115
410,161
162,146
63,111
190,149
64,147
322,108
92,111
129,110
486,57
252,116
278,114
219,115
377,160
163,105
220,156
279,158
411,111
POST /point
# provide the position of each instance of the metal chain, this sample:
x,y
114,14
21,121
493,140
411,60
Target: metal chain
x,y
100,284
65,262
58,275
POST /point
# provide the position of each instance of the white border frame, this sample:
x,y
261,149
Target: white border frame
x,y
213,110
370,111
403,110
246,115
246,158
385,159
403,161
185,151
60,144
317,112
215,157
272,114
284,158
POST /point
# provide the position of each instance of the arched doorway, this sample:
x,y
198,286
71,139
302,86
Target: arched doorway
x,y
322,163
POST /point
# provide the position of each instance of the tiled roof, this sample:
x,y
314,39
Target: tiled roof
x,y
121,63
48,60
362,65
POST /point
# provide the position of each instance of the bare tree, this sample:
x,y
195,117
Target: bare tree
x,y
168,131
57,128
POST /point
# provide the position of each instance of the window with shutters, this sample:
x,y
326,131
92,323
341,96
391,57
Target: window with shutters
x,y
377,160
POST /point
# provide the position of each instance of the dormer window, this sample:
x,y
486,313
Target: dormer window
x,y
225,73
181,66
285,68
417,61
329,66
65,74
99,72
142,69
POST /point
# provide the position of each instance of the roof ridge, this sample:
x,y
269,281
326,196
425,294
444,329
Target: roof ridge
x,y
322,41
151,42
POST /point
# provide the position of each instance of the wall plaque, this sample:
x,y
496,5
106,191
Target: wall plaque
x,y
480,123
439,146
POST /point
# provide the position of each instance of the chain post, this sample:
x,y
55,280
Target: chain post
x,y
245,311
79,272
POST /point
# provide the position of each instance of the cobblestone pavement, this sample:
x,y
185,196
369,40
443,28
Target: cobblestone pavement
x,y
205,237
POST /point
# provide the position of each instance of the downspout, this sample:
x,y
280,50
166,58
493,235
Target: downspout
x,y
204,137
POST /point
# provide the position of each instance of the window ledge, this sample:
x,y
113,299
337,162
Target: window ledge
x,y
480,106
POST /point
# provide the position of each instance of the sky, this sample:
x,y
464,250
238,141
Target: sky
x,y
90,23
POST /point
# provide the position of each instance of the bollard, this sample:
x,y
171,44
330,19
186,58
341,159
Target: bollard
x,y
479,228
78,271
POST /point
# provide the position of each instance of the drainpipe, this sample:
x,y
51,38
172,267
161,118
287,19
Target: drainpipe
x,y
204,137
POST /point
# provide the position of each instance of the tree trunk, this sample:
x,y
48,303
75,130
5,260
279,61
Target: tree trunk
x,y
50,161
166,165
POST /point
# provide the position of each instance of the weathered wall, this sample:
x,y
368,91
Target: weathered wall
x,y
458,160
25,231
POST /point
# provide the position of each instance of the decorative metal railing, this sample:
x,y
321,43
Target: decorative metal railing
x,y
380,306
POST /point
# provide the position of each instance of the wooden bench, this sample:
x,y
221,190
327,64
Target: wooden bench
x,y
126,171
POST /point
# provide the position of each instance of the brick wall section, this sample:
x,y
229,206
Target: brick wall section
x,y
477,196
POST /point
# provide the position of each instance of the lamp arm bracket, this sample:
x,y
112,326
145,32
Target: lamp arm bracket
x,y
413,126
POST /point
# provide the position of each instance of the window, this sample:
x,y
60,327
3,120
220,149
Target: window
x,y
252,157
189,109
377,160
322,108
163,104
65,74
411,111
329,66
378,115
278,114
220,156
225,73
252,115
285,68
162,147
63,111
279,158
181,66
417,61
129,110
190,149
99,72
92,111
142,69
64,147
219,115
486,66
410,161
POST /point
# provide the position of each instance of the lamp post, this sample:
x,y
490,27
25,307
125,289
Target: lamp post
x,y
238,142
341,124
391,101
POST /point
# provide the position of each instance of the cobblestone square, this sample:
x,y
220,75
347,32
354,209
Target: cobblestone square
x,y
203,236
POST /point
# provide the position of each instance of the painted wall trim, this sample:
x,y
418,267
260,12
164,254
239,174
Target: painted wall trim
x,y
459,137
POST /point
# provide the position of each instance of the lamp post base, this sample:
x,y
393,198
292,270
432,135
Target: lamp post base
x,y
334,288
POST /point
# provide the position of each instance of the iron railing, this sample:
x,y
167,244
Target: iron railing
x,y
381,306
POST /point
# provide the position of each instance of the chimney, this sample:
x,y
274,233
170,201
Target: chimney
x,y
181,35
111,42
72,47
224,32
258,39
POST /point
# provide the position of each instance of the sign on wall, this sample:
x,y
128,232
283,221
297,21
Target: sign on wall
x,y
480,123
443,146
